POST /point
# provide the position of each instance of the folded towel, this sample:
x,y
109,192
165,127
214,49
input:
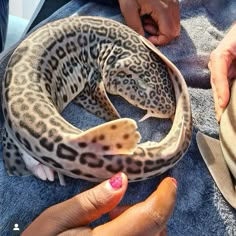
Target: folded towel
x,y
200,208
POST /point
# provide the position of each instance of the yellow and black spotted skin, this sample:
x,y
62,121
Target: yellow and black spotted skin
x,y
82,59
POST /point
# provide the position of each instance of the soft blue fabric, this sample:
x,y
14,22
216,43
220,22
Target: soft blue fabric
x,y
200,208
4,9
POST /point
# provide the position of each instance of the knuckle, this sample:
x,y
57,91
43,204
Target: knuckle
x,y
175,34
172,34
157,218
91,200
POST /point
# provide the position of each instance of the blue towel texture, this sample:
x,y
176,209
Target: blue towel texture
x,y
200,208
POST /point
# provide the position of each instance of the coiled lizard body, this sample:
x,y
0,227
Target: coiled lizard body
x,y
80,59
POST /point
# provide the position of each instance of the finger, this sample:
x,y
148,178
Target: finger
x,y
150,28
118,211
150,25
146,218
79,231
159,40
219,67
81,209
163,232
130,11
168,23
218,109
148,20
86,231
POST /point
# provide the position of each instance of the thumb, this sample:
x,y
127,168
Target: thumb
x,y
81,209
130,11
148,217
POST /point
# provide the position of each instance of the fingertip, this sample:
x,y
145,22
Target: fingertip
x,y
159,40
219,114
166,194
169,181
221,95
118,182
223,101
174,181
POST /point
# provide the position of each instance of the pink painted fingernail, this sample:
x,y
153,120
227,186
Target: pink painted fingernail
x,y
174,181
116,181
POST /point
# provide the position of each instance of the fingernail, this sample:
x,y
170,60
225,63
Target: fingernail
x,y
174,181
116,181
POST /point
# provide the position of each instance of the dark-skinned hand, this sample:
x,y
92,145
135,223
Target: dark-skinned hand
x,y
222,66
71,217
162,18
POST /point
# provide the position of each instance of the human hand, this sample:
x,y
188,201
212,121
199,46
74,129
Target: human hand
x,y
162,21
222,66
72,216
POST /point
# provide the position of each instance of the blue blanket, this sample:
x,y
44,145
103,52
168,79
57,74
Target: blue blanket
x,y
200,208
